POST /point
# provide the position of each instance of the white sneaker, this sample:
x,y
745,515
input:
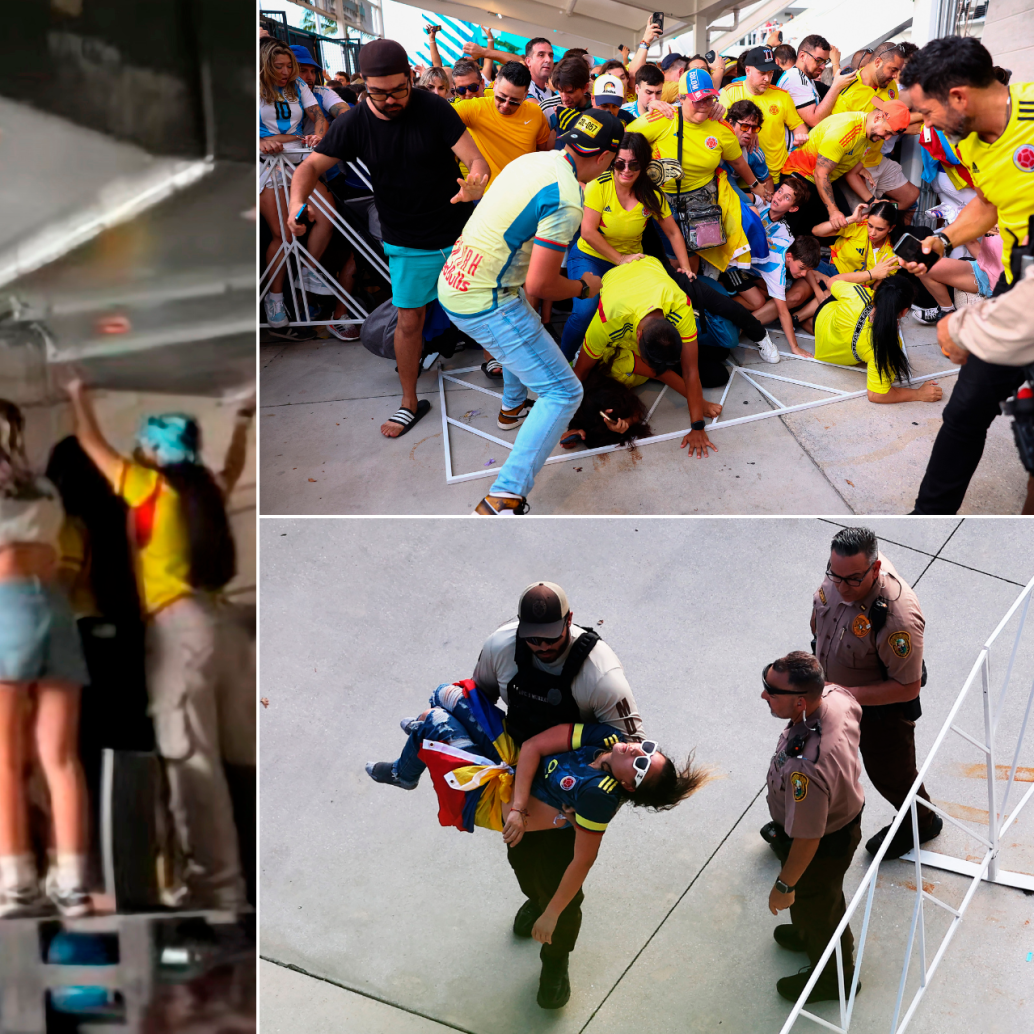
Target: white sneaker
x,y
768,350
24,904
276,312
314,283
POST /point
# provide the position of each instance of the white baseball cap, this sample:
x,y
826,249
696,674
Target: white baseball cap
x,y
609,89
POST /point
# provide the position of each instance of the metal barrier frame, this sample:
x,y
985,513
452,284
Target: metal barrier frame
x,y
781,409
987,869
276,172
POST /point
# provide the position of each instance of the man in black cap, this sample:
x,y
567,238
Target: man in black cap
x,y
409,140
517,237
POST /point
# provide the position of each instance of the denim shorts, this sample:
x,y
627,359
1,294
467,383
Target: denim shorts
x,y
38,635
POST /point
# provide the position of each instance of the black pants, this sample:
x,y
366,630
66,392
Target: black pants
x,y
974,403
888,749
819,903
814,211
539,862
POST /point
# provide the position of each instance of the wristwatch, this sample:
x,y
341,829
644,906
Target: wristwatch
x,y
783,888
697,425
756,183
584,292
944,238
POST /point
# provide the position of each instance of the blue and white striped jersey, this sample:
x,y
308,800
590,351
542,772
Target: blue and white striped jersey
x,y
773,269
285,115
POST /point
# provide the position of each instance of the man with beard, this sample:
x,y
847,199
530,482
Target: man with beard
x,y
951,82
405,137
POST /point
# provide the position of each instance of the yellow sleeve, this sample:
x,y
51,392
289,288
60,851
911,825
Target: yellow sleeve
x,y
680,315
665,207
596,338
136,482
830,147
542,137
467,111
653,125
670,92
594,196
731,149
873,380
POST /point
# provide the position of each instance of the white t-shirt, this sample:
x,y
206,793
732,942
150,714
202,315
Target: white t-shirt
x,y
802,92
600,688
36,521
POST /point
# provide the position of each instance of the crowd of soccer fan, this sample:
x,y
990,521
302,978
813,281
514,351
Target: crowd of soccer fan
x,y
675,207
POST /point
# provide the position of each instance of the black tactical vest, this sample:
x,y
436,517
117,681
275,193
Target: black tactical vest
x,y
537,700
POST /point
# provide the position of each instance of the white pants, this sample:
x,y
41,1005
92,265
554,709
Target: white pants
x,y
197,677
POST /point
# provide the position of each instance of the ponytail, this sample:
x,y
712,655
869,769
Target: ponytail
x,y
891,296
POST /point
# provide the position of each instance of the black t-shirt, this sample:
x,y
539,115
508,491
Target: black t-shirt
x,y
412,168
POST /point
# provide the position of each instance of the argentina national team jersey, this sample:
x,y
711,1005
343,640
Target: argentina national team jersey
x,y
569,780
284,115
773,269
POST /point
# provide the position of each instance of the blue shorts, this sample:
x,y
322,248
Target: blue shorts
x,y
414,274
38,636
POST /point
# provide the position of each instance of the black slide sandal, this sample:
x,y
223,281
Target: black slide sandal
x,y
407,418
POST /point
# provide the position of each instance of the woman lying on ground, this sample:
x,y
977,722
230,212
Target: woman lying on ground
x,y
610,414
579,773
853,326
869,238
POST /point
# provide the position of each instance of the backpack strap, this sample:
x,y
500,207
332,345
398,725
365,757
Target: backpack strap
x,y
678,181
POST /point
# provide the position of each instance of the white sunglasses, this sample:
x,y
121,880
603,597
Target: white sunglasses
x,y
642,763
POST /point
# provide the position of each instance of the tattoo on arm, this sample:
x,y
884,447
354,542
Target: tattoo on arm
x,y
824,183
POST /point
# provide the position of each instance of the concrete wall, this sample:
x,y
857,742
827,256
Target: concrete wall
x,y
1009,35
135,70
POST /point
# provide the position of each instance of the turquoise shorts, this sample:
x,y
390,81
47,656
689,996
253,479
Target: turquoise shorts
x,y
38,635
414,275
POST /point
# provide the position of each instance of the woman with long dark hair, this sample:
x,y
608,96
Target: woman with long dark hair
x,y
184,557
854,326
42,672
618,206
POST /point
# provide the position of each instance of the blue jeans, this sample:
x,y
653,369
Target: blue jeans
x,y
448,721
530,358
582,310
716,330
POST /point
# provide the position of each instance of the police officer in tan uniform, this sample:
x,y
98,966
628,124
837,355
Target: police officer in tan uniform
x,y
868,632
815,798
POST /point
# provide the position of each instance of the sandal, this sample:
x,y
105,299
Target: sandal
x,y
407,418
492,368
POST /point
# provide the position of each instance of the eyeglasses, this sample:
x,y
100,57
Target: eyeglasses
x,y
753,126
620,164
461,90
381,95
537,640
772,689
509,102
820,61
642,763
854,580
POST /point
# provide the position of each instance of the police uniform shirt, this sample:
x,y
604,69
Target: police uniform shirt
x,y
814,788
843,633
568,780
600,688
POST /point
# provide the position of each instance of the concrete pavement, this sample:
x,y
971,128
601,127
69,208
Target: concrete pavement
x,y
393,923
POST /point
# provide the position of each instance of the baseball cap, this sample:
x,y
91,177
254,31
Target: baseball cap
x,y
608,88
761,58
697,84
542,610
381,57
898,115
595,130
303,56
670,59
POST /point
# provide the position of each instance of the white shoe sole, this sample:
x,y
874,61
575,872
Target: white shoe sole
x,y
517,421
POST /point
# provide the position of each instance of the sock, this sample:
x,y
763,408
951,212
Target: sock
x,y
273,296
947,308
505,495
71,871
17,871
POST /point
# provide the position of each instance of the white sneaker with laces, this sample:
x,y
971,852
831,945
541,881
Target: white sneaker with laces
x,y
314,283
926,316
276,312
768,350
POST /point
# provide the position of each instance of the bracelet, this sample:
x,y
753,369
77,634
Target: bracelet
x,y
643,45
697,425
944,237
869,272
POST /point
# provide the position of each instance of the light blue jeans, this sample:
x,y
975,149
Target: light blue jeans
x,y
531,360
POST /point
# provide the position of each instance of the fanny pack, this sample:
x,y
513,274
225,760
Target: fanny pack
x,y
697,212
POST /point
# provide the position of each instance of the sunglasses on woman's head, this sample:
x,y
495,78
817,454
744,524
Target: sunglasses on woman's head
x,y
620,164
642,763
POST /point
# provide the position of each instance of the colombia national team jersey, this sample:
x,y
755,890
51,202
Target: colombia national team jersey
x,y
840,138
568,780
1004,170
859,97
622,228
852,250
704,145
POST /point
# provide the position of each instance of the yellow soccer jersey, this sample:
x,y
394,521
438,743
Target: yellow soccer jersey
x,y
834,330
778,112
621,228
1004,170
859,97
840,138
628,294
501,138
852,250
704,145
159,532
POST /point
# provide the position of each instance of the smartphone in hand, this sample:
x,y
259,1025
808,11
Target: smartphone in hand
x,y
908,249
709,57
658,19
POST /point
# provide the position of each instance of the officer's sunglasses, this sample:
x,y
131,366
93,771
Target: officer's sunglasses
x,y
772,689
854,580
537,640
642,763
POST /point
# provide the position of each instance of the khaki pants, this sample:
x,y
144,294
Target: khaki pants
x,y
198,681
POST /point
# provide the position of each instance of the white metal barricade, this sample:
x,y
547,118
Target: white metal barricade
x,y
986,869
276,171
